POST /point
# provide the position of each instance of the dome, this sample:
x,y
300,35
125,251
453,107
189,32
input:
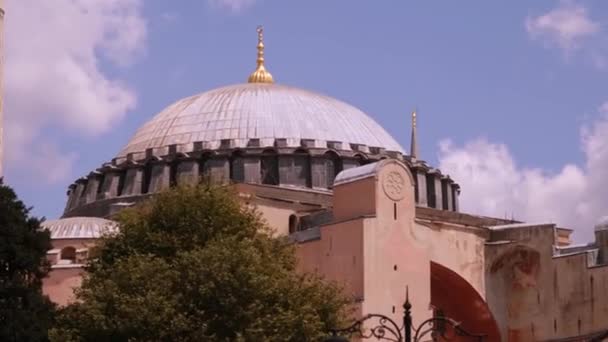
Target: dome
x,y
79,227
263,112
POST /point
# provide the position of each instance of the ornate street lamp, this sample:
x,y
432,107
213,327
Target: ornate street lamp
x,y
386,329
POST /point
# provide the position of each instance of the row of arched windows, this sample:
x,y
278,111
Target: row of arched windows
x,y
295,169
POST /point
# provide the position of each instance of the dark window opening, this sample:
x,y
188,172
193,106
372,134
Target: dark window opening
x,y
444,195
102,179
202,164
68,253
237,167
121,183
302,168
173,173
333,167
416,188
269,170
430,191
147,179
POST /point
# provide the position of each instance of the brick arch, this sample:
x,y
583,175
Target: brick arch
x,y
455,298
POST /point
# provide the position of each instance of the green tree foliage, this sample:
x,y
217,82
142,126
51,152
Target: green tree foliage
x,y
193,264
25,314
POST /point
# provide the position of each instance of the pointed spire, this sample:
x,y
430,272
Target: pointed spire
x,y
260,75
414,142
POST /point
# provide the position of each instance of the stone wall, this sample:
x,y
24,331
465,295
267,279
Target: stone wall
x,y
537,294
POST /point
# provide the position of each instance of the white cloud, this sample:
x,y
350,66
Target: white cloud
x,y
234,6
52,69
566,25
493,184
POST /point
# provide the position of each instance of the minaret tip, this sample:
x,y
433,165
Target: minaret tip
x,y
414,142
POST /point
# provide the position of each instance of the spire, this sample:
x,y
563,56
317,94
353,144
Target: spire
x,y
414,143
260,75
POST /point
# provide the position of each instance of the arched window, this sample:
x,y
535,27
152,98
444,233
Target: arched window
x,y
333,167
360,160
147,178
68,253
237,167
293,224
301,168
269,168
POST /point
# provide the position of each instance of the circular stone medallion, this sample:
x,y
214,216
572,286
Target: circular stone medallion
x,y
394,186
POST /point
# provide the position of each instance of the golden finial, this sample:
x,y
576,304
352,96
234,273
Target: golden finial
x,y
260,75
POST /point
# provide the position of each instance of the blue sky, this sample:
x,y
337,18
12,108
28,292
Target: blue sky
x,y
499,85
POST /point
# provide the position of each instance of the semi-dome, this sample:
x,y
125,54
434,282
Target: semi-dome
x,y
79,227
260,112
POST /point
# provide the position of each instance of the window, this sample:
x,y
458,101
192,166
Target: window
x,y
333,167
101,179
237,167
69,254
444,195
301,168
269,168
202,164
147,178
430,191
121,182
173,173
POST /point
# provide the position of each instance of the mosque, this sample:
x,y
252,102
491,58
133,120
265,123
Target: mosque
x,y
361,210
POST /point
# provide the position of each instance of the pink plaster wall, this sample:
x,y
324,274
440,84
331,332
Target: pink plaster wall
x,y
59,285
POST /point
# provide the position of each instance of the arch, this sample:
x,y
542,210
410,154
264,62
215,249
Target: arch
x,y
237,167
452,296
302,166
333,166
202,164
361,159
68,253
269,167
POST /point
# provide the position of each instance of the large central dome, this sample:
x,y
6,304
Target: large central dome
x,y
262,111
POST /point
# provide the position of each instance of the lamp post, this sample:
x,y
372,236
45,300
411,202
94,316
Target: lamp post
x,y
386,329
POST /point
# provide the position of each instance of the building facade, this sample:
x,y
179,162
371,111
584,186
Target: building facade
x,y
301,158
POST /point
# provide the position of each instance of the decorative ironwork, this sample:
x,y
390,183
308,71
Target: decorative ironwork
x,y
386,329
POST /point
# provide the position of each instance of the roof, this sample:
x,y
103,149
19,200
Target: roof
x,y
356,173
520,225
79,227
265,112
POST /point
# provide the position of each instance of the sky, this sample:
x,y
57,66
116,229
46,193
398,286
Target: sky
x,y
512,97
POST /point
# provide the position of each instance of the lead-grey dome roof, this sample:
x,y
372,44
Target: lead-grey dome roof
x,y
266,112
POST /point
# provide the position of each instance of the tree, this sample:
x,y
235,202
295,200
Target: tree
x,y
193,264
25,314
